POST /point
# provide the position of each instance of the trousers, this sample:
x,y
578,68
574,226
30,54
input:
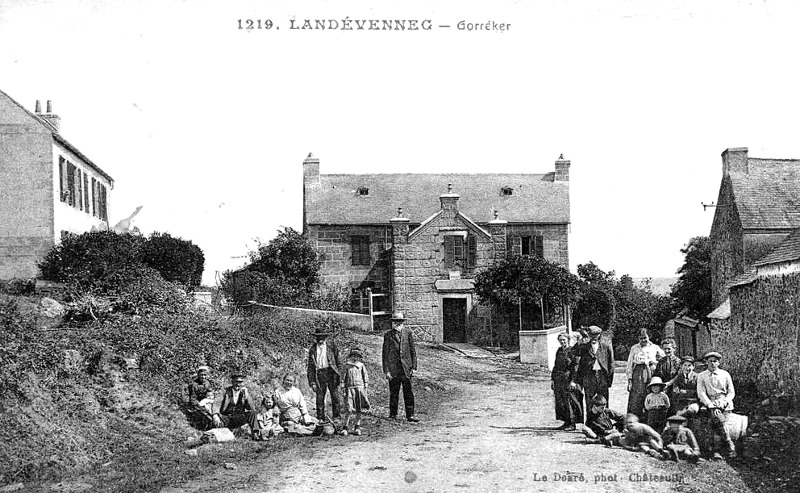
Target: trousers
x,y
328,382
596,382
394,396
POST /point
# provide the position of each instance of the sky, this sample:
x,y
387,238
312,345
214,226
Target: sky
x,y
206,125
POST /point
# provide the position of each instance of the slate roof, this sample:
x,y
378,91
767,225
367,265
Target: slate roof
x,y
536,198
722,312
787,251
768,197
60,139
742,279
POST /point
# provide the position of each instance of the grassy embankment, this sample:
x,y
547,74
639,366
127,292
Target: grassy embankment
x,y
100,404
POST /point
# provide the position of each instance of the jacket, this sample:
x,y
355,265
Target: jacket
x,y
399,355
243,404
584,361
333,362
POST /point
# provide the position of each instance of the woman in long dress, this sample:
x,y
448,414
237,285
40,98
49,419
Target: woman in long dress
x,y
569,402
641,365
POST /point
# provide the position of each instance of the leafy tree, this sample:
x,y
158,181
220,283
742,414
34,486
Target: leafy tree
x,y
289,257
620,305
285,271
693,289
592,274
597,305
527,280
176,259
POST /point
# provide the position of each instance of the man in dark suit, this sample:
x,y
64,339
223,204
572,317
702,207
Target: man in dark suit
x,y
593,366
399,364
323,371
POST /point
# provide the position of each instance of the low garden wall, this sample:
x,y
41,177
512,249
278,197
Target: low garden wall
x,y
356,321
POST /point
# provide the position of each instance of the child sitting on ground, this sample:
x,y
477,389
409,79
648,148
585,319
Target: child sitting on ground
x,y
679,441
603,425
268,420
656,405
641,437
356,381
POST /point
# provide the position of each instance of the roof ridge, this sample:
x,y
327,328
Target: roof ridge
x,y
47,125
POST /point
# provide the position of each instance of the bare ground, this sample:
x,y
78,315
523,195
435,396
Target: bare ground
x,y
487,425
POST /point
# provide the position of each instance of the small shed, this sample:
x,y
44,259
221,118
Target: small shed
x,y
692,336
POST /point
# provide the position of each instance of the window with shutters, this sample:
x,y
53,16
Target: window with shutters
x,y
71,184
102,203
86,193
460,251
62,178
533,245
78,189
95,202
359,245
472,251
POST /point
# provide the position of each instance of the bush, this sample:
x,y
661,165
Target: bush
x,y
103,262
177,260
94,261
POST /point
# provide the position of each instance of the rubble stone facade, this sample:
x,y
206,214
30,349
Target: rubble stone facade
x,y
427,258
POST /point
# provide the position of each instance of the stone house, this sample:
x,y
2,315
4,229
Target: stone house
x,y
421,238
47,188
758,206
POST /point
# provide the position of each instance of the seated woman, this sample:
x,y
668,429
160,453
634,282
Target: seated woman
x,y
294,415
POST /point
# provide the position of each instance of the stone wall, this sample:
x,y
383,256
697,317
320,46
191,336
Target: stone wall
x,y
759,347
727,247
555,238
26,192
419,261
355,321
334,249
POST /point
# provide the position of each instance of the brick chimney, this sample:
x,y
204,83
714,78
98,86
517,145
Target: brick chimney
x,y
310,179
734,159
311,169
449,202
562,169
50,117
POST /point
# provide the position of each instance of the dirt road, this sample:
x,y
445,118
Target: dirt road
x,y
495,432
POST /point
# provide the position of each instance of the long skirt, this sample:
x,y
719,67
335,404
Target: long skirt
x,y
569,403
640,379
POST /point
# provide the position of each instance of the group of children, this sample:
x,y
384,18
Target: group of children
x,y
609,427
664,434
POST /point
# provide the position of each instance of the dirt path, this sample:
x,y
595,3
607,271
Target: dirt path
x,y
496,433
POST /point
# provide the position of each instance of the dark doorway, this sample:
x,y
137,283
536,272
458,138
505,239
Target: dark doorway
x,y
455,320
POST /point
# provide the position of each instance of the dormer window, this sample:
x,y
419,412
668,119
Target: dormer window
x,y
362,191
506,191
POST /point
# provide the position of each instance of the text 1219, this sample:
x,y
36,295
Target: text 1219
x,y
255,24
